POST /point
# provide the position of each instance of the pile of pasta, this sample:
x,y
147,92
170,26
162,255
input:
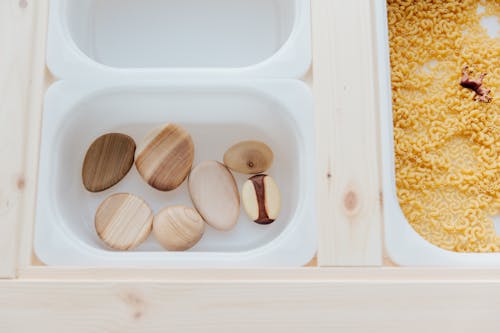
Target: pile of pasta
x,y
447,145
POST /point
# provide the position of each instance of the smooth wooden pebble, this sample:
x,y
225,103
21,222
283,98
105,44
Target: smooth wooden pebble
x,y
215,194
261,199
123,221
178,228
165,157
108,159
249,157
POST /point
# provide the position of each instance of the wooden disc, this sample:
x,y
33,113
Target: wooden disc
x,y
108,159
215,194
123,221
250,157
178,228
165,157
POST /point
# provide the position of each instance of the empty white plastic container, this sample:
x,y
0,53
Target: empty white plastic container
x,y
226,70
179,38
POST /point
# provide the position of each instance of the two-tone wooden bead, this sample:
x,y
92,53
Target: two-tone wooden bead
x,y
261,199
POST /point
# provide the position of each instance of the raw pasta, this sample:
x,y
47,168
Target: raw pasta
x,y
447,145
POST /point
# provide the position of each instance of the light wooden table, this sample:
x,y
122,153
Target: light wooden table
x,y
351,287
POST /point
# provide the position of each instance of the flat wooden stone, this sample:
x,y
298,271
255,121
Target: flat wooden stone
x,y
215,194
250,157
108,159
178,228
123,221
165,157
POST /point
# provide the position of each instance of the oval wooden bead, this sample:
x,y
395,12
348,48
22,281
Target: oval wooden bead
x,y
165,157
178,228
215,194
250,157
123,221
108,159
261,199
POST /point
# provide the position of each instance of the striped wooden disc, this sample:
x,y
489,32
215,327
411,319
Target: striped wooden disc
x,y
108,159
123,221
165,157
178,228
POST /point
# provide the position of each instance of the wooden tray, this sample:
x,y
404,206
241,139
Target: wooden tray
x,y
350,286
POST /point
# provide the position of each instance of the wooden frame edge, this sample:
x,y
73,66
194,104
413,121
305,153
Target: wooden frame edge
x,y
22,71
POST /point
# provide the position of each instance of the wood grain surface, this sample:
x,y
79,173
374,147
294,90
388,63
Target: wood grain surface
x,y
123,221
23,27
178,228
108,159
325,299
251,306
165,156
345,90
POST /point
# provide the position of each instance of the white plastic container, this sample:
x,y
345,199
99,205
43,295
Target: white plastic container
x,y
277,112
403,244
179,38
120,72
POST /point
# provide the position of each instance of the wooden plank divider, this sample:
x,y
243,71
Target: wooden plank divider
x,y
344,72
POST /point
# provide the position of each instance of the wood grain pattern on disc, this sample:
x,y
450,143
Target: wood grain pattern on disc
x,y
165,157
123,221
108,159
178,228
215,194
